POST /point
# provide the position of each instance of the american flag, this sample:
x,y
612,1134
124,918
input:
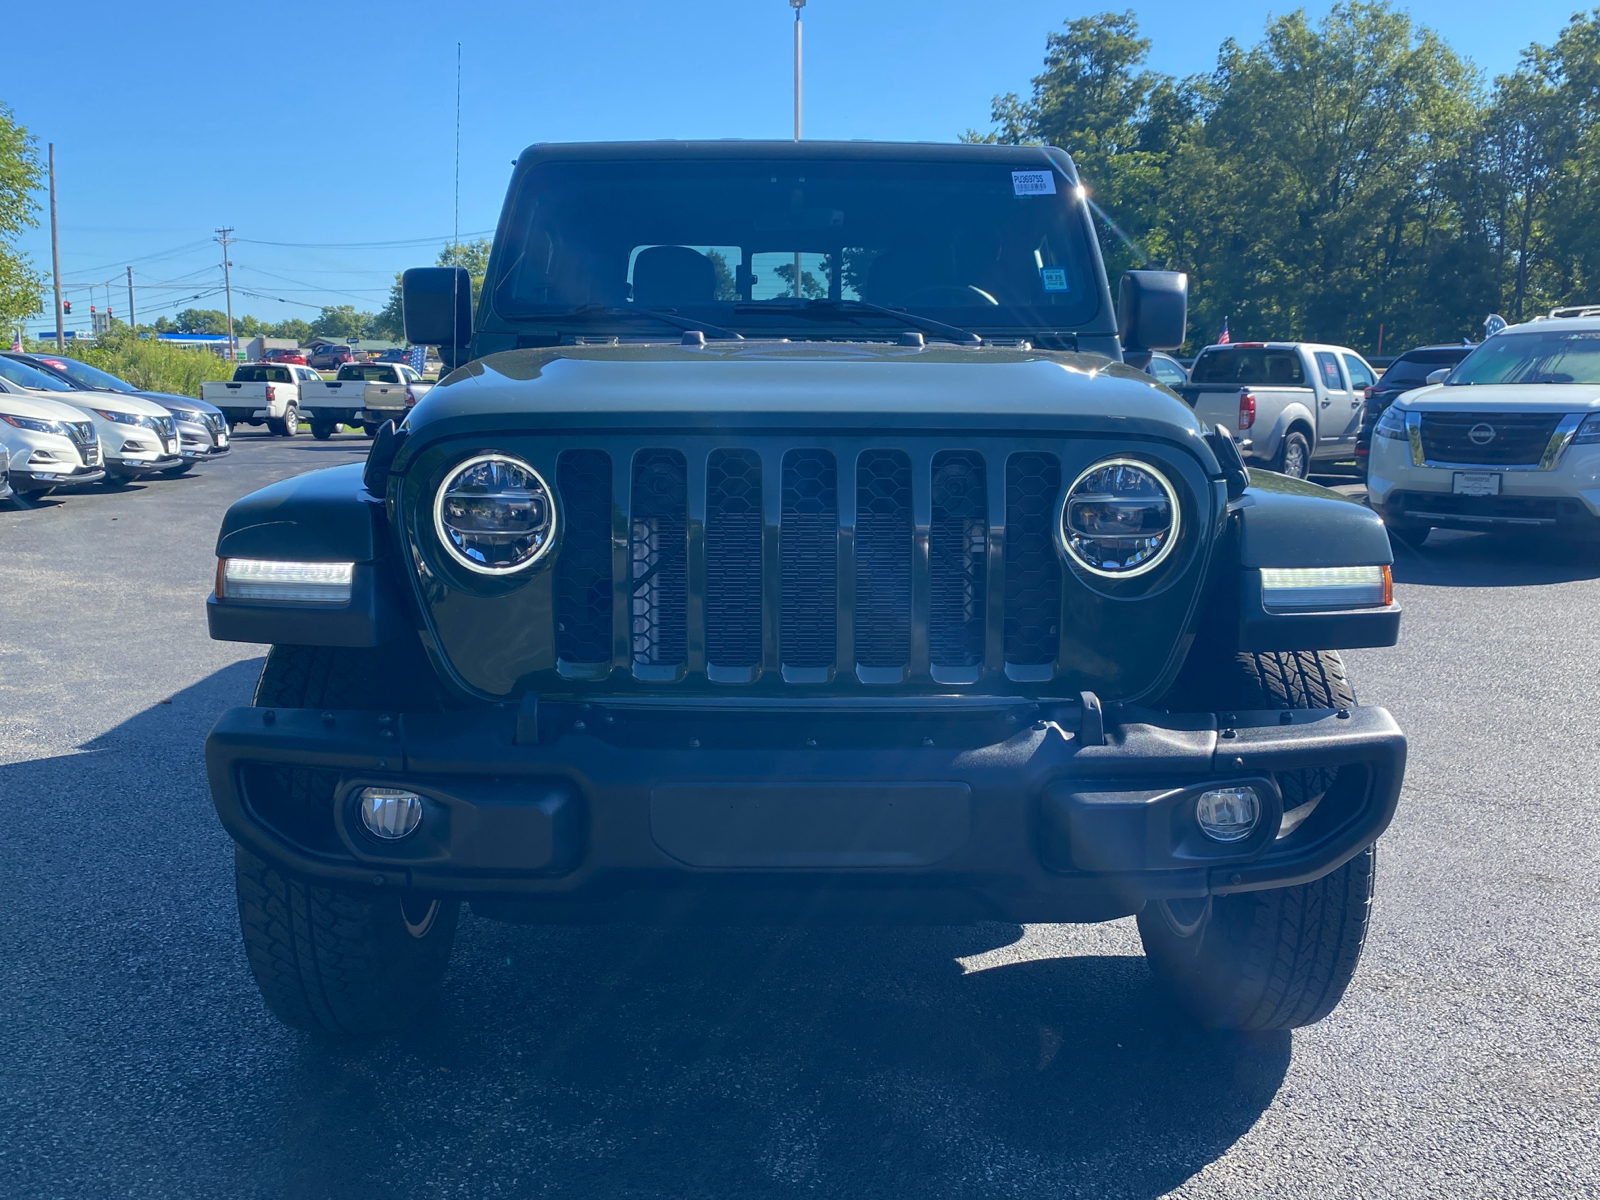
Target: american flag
x,y
418,356
1222,338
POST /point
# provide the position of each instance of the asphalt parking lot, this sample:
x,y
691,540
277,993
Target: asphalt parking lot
x,y
1000,1060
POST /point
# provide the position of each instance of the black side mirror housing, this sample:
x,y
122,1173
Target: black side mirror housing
x,y
1153,310
437,302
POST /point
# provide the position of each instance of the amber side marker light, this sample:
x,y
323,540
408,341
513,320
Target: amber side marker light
x,y
1323,588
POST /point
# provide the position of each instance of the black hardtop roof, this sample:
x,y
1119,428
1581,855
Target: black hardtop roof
x,y
805,151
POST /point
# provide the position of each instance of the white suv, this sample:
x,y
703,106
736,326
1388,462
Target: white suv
x,y
1507,439
136,436
49,444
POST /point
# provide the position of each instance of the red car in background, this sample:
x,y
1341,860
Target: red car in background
x,y
284,356
328,357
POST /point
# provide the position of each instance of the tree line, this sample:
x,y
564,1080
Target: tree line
x,y
1334,177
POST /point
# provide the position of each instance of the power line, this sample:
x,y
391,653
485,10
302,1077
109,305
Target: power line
x,y
394,245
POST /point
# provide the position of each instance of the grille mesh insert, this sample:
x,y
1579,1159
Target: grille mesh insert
x,y
809,532
957,559
883,558
733,558
660,558
1033,570
583,569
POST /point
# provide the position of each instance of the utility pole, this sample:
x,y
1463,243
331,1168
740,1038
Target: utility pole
x,y
797,6
133,326
55,253
227,285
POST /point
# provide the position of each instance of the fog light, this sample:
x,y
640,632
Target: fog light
x,y
391,814
1228,814
290,582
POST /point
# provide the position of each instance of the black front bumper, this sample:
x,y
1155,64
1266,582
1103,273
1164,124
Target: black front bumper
x,y
621,812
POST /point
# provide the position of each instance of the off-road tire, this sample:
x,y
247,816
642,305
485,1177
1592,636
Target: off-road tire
x,y
323,430
343,963
1294,456
1280,958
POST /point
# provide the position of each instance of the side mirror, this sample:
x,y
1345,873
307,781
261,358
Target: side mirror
x,y
437,302
1153,310
1439,375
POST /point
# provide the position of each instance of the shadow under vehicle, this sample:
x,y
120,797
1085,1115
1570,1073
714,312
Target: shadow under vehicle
x,y
796,539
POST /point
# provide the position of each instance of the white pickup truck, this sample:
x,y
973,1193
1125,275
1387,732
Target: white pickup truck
x,y
365,394
262,393
1288,404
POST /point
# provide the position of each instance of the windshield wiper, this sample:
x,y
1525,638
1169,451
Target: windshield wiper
x,y
949,333
666,318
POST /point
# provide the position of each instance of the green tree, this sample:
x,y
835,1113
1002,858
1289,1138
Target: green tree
x,y
389,322
341,321
21,174
291,327
201,320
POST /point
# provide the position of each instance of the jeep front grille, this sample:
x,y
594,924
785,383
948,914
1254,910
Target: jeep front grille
x,y
746,573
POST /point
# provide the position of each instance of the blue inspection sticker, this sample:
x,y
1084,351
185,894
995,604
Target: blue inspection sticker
x,y
1054,279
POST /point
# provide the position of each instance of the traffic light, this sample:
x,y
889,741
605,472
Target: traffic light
x,y
66,307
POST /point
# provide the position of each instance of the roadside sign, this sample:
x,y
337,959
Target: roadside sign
x,y
353,340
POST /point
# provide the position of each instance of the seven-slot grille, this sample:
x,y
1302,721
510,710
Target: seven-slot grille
x,y
1489,439
808,560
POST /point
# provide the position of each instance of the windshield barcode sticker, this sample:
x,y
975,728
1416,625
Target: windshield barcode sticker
x,y
1033,183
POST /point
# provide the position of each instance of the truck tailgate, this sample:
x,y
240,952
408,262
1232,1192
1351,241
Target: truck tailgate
x,y
353,394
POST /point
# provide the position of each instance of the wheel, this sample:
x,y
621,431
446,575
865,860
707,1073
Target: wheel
x,y
289,424
1279,958
1410,534
343,963
371,428
26,499
115,482
323,430
1294,456
174,472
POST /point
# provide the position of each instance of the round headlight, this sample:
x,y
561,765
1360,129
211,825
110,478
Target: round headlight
x,y
1120,518
495,515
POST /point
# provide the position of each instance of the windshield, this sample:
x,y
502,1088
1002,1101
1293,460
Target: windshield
x,y
1409,372
1250,366
988,244
372,374
260,373
89,376
1554,356
25,376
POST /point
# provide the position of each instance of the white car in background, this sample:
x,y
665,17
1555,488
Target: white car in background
x,y
137,437
48,444
1507,439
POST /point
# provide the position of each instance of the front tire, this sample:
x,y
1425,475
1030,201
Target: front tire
x,y
343,963
175,472
1294,456
1283,957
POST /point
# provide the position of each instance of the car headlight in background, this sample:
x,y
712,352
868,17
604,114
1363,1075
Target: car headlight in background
x,y
1319,588
121,418
1392,424
292,582
1589,432
35,424
495,515
1120,518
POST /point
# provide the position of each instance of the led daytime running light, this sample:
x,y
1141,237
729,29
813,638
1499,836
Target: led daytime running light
x,y
1320,588
292,582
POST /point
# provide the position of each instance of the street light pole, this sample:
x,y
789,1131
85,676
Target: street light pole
x,y
55,253
797,5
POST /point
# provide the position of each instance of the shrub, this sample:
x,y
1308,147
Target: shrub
x,y
154,366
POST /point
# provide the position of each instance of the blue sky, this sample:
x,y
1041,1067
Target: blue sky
x,y
324,133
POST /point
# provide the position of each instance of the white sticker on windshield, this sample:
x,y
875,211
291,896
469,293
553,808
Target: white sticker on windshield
x,y
1054,279
1033,183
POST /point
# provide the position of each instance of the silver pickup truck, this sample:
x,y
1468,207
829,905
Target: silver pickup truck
x,y
365,394
1288,404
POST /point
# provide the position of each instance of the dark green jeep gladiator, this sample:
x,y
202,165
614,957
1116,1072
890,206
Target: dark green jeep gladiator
x,y
795,539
